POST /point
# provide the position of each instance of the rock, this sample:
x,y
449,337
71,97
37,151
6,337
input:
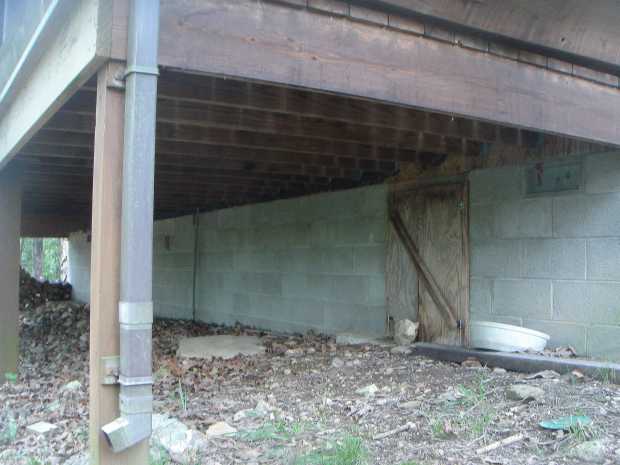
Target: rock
x,y
350,339
401,350
589,451
262,409
410,405
337,362
78,459
545,374
72,386
405,332
183,445
219,429
471,362
499,370
524,392
574,377
41,427
294,352
368,391
451,395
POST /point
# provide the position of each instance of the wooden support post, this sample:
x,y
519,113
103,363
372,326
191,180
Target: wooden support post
x,y
105,265
10,219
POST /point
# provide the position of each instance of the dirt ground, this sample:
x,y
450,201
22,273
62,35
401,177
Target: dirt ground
x,y
322,403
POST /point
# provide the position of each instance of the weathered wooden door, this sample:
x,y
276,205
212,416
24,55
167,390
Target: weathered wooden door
x,y
427,261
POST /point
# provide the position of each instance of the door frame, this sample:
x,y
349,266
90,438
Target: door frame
x,y
398,191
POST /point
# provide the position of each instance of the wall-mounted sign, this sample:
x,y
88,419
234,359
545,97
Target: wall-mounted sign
x,y
542,178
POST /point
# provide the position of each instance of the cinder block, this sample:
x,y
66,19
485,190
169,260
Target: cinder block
x,y
375,201
336,260
262,283
238,217
163,310
554,258
602,173
587,302
216,261
495,185
524,218
525,298
266,306
349,289
480,296
603,343
604,259
361,230
481,219
509,320
207,240
303,285
376,290
229,239
586,215
562,334
184,236
306,312
360,319
496,258
370,260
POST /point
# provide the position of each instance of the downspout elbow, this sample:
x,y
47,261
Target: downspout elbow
x,y
136,394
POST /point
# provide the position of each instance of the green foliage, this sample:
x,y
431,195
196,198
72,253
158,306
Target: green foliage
x,y
51,259
349,451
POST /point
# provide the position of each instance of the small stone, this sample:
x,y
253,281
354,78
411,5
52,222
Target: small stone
x,y
499,371
183,445
294,352
405,332
368,391
410,405
524,392
72,386
78,459
589,451
41,427
401,350
471,362
220,429
545,374
574,377
337,362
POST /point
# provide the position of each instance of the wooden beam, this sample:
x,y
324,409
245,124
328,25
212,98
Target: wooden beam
x,y
585,29
105,268
51,225
297,47
10,219
74,50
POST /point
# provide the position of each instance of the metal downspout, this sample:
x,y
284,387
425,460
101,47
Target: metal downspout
x,y
136,300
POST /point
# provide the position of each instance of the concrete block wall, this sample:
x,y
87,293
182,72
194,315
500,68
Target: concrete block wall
x,y
315,262
79,266
552,261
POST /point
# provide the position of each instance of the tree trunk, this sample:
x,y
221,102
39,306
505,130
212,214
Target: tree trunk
x,y
37,258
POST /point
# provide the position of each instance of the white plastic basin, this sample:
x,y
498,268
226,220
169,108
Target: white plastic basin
x,y
505,338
